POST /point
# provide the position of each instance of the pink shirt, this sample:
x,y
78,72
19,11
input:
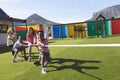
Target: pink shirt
x,y
31,38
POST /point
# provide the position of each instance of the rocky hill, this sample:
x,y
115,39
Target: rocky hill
x,y
108,13
36,19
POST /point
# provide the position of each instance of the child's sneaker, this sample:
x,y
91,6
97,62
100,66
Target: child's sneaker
x,y
13,61
18,57
19,60
43,71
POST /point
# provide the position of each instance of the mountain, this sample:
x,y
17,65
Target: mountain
x,y
36,19
108,13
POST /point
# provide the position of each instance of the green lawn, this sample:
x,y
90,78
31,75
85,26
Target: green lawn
x,y
95,63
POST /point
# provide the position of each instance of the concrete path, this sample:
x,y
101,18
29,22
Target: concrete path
x,y
86,45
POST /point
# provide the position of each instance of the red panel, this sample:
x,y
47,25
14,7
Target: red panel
x,y
20,29
115,26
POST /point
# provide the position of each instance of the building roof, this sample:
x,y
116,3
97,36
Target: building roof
x,y
3,15
5,19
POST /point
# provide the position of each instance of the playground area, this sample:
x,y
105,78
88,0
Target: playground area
x,y
79,51
68,63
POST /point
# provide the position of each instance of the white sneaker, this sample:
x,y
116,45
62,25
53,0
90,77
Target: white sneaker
x,y
18,57
43,71
19,60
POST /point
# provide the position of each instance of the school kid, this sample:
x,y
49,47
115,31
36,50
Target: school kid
x,y
10,41
19,46
44,53
32,40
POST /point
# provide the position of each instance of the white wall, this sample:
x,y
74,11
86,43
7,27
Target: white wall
x,y
3,38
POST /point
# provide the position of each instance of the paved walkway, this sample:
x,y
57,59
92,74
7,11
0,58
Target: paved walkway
x,y
86,45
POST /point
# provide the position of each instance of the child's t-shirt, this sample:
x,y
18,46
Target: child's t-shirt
x,y
17,44
9,41
43,48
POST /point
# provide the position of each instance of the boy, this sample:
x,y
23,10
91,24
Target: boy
x,y
19,46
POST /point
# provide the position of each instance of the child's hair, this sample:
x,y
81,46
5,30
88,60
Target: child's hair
x,y
20,37
9,31
41,35
33,32
40,24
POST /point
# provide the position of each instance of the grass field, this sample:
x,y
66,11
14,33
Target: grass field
x,y
68,63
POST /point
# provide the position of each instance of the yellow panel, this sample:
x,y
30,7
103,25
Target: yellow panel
x,y
35,27
81,25
70,29
73,33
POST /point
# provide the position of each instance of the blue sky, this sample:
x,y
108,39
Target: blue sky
x,y
61,11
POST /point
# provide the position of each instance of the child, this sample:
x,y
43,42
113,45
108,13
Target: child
x,y
31,39
19,46
10,41
44,54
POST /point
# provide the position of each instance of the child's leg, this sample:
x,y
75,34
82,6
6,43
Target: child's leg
x,y
16,51
24,53
13,53
42,63
45,63
29,53
10,47
39,59
47,58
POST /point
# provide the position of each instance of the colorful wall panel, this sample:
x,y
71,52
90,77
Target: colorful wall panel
x,y
59,31
97,28
108,27
70,29
76,30
91,27
115,26
81,30
22,30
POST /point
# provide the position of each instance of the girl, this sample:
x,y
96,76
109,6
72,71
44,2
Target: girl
x,y
31,39
44,55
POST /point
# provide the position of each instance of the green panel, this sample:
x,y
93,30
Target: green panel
x,y
107,28
22,33
91,26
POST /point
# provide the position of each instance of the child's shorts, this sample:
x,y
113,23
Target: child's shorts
x,y
19,49
45,54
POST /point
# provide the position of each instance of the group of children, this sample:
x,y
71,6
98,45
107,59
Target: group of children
x,y
17,44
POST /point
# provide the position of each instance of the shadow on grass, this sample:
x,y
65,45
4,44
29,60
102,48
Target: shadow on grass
x,y
4,49
75,65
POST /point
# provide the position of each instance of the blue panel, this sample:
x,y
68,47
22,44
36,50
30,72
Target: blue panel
x,y
56,31
59,31
63,31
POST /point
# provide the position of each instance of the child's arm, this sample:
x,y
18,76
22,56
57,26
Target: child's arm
x,y
40,43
